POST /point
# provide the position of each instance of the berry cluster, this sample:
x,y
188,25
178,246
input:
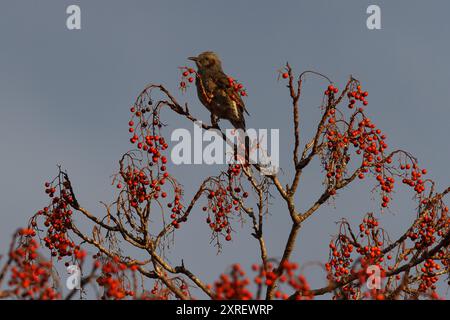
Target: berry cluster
x,y
188,76
331,90
233,286
58,218
359,132
141,186
176,210
267,276
341,264
412,177
428,278
220,208
160,291
144,130
30,276
340,260
113,279
369,229
144,183
237,87
357,95
224,195
434,222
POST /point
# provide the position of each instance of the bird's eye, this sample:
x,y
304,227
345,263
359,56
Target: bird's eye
x,y
207,62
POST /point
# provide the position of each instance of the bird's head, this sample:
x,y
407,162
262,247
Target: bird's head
x,y
207,59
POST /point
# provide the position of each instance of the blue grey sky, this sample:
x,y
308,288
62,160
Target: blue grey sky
x,y
65,98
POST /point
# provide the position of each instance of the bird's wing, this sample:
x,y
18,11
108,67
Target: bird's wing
x,y
223,83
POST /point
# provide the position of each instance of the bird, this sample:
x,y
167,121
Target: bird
x,y
216,91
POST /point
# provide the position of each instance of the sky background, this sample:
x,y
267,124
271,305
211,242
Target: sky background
x,y
65,98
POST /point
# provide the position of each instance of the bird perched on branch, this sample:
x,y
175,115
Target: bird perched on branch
x,y
217,92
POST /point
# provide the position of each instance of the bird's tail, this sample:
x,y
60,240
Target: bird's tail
x,y
247,148
243,140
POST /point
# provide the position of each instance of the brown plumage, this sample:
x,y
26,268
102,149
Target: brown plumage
x,y
216,93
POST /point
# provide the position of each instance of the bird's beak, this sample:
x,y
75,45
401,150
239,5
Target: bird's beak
x,y
193,59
